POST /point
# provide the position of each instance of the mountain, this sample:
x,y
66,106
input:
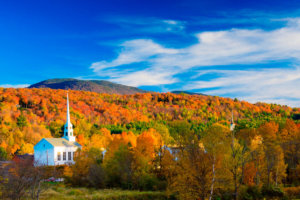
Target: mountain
x,y
99,86
186,92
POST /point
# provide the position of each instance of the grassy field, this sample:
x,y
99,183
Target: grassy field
x,y
59,192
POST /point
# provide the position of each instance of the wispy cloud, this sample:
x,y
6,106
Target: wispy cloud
x,y
14,86
163,65
132,52
135,52
146,24
267,85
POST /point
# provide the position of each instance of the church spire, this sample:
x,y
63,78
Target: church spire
x,y
232,125
68,111
68,129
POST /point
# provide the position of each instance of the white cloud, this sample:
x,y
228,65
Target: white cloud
x,y
266,85
15,86
132,52
146,77
228,47
172,22
174,25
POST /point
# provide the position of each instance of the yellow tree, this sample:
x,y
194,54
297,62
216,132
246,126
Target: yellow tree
x,y
290,143
190,175
79,172
257,156
147,145
216,143
234,162
273,152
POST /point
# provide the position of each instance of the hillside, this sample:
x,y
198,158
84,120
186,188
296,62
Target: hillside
x,y
27,115
108,120
99,86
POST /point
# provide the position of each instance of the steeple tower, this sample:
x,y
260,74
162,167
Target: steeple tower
x,y
232,125
68,129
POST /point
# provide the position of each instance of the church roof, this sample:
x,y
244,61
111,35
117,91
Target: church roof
x,y
60,142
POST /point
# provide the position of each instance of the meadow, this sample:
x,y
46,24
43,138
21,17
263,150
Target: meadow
x,y
61,192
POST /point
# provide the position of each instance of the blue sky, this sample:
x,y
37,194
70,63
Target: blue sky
x,y
244,49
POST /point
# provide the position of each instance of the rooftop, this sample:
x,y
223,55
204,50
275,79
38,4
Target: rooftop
x,y
62,142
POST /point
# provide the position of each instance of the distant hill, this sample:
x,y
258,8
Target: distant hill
x,y
99,86
186,92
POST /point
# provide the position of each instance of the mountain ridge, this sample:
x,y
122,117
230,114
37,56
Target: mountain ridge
x,y
100,86
186,92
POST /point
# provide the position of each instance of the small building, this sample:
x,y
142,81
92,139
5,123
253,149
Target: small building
x,y
57,151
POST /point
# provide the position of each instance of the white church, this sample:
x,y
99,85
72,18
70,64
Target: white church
x,y
57,151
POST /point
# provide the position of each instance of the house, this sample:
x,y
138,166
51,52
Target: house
x,y
57,151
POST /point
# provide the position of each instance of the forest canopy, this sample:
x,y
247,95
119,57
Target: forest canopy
x,y
27,115
162,141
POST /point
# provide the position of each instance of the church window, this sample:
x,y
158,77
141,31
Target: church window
x,y
64,156
58,156
69,156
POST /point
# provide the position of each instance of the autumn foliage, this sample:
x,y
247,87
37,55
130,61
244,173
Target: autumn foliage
x,y
157,141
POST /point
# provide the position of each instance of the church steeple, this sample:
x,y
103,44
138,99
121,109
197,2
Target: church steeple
x,y
232,125
68,129
68,111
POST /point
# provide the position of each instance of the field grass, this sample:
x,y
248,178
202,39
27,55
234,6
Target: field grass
x,y
60,192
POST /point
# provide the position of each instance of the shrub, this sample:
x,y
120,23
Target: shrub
x,y
227,196
96,176
292,192
221,194
272,192
250,193
148,182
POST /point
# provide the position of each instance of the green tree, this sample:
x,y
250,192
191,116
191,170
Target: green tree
x,y
3,154
21,121
119,168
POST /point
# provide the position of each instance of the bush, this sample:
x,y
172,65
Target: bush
x,y
97,176
221,194
227,196
250,193
292,192
148,182
272,192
